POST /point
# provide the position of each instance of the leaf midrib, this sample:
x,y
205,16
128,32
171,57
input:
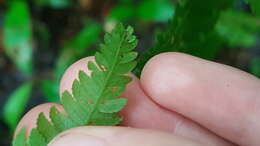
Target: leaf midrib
x,y
107,78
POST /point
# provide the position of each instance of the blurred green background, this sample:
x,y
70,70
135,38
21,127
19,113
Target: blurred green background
x,y
39,39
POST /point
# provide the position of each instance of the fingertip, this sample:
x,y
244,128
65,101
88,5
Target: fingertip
x,y
207,93
167,72
72,73
30,119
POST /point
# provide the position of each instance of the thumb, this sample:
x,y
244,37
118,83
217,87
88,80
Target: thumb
x,y
117,136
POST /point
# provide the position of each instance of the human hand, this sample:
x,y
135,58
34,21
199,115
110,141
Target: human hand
x,y
183,100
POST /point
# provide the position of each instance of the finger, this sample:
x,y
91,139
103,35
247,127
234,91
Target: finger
x,y
72,73
142,112
219,97
29,120
118,136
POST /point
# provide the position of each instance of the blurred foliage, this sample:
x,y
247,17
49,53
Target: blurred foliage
x,y
18,36
78,47
122,12
73,50
50,90
68,30
145,10
155,10
191,30
238,29
16,104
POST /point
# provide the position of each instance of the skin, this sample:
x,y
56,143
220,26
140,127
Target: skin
x,y
180,100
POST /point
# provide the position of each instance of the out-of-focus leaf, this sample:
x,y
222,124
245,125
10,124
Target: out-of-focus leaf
x,y
54,3
191,30
238,29
16,104
50,90
122,13
18,36
255,6
77,48
255,67
147,10
88,36
73,50
155,10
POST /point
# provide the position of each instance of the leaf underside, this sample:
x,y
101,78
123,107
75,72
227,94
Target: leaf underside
x,y
95,98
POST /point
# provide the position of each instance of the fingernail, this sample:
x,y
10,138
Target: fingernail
x,y
77,139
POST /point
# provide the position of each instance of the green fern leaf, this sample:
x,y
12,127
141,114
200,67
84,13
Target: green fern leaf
x,y
20,138
95,98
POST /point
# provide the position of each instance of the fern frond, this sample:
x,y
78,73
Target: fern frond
x,y
95,98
